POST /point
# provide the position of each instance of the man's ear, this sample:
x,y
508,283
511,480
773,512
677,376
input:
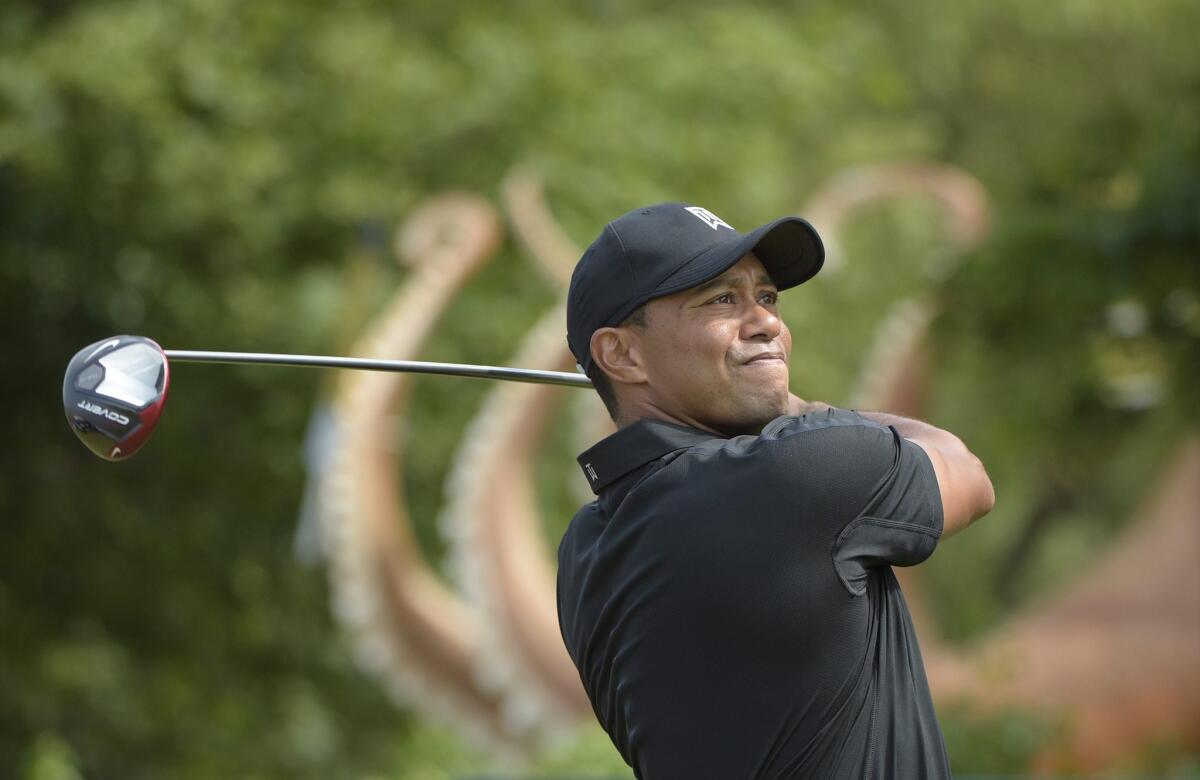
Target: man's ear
x,y
618,353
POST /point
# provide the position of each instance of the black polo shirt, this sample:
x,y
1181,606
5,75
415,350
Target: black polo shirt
x,y
730,605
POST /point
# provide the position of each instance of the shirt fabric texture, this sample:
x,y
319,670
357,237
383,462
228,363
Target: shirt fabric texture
x,y
730,604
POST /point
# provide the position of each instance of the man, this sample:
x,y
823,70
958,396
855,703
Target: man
x,y
728,597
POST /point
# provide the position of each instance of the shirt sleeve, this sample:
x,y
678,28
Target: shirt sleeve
x,y
900,525
878,489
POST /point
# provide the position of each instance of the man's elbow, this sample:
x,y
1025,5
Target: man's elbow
x,y
981,496
984,494
967,492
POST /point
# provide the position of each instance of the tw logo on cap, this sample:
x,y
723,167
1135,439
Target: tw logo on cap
x,y
708,218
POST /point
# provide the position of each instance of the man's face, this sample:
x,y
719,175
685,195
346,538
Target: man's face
x,y
717,353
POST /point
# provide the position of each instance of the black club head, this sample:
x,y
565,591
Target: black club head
x,y
113,393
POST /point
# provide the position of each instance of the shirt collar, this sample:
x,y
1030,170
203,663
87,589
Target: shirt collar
x,y
635,445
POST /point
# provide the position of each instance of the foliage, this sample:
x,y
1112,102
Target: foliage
x,y
201,171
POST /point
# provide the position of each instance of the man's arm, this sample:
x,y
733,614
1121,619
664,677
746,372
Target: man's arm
x,y
966,489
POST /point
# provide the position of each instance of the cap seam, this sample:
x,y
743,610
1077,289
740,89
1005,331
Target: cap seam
x,y
624,252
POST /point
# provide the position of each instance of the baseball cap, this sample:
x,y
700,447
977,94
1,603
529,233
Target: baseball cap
x,y
661,249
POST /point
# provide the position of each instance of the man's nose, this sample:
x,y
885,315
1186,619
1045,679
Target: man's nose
x,y
761,321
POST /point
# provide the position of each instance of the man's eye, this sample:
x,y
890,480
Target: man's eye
x,y
771,297
722,297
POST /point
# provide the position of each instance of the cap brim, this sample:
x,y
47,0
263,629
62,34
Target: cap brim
x,y
789,249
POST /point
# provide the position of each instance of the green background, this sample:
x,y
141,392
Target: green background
x,y
225,175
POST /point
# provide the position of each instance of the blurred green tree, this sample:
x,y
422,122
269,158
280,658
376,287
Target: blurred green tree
x,y
198,171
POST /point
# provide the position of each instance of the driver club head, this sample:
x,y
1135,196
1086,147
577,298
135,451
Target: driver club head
x,y
113,394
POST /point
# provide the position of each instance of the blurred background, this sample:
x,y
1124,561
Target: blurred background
x,y
224,175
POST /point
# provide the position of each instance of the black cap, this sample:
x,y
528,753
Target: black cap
x,y
661,249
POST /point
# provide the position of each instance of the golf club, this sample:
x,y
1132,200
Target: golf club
x,y
114,390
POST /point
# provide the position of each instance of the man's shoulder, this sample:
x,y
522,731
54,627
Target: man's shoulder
x,y
792,456
845,421
833,439
842,430
587,521
796,452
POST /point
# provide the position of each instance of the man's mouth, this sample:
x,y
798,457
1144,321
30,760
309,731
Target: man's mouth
x,y
766,357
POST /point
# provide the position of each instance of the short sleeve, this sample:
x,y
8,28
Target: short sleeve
x,y
875,491
901,522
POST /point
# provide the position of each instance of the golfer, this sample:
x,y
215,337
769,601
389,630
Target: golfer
x,y
728,597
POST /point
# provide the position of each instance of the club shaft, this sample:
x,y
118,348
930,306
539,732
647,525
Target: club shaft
x,y
371,364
